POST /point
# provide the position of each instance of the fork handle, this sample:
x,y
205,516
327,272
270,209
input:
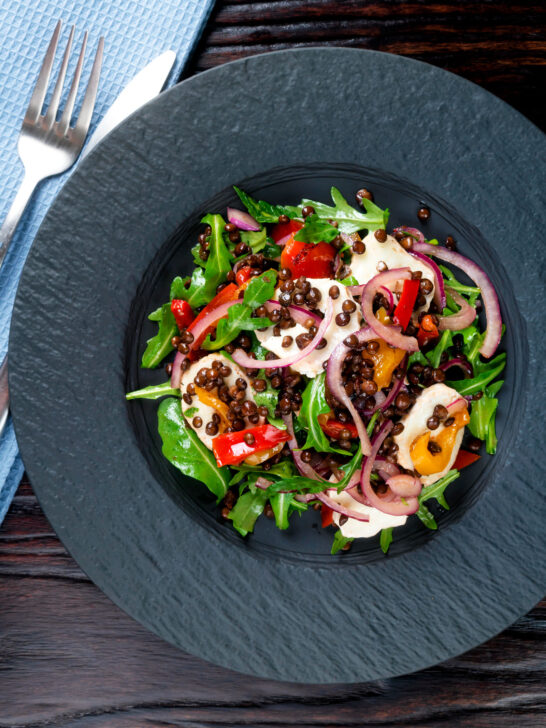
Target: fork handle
x,y
24,193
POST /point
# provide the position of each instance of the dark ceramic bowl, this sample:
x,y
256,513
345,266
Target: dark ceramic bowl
x,y
277,604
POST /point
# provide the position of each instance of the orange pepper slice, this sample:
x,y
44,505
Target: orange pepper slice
x,y
428,463
216,403
385,360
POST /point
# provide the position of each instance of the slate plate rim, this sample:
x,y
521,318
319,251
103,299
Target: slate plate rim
x,y
258,663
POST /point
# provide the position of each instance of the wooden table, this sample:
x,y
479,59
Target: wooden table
x,y
70,658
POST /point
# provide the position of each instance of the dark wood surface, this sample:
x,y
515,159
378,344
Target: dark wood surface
x,y
70,658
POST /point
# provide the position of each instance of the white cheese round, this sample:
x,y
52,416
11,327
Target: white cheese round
x,y
364,265
311,365
415,425
363,529
205,411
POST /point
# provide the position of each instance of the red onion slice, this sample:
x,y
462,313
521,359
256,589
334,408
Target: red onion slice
x,y
198,330
304,468
457,405
463,364
460,320
335,384
439,296
243,220
357,291
299,314
390,334
241,358
392,507
405,485
334,505
414,232
493,331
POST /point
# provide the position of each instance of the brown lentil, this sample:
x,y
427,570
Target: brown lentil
x,y
380,235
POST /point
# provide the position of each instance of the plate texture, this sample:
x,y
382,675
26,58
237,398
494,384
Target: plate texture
x,y
269,615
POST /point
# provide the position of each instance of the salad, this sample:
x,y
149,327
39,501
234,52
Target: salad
x,y
317,360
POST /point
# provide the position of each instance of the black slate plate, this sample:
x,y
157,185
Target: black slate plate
x,y
277,606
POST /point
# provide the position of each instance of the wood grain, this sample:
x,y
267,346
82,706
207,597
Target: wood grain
x,y
70,658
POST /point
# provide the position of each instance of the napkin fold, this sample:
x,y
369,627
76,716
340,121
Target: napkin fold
x,y
135,32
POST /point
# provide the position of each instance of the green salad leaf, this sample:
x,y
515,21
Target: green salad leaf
x,y
178,287
314,404
482,417
263,211
444,342
436,490
426,517
185,451
160,345
154,391
270,396
255,239
260,289
385,539
339,542
316,230
283,504
348,218
349,281
487,372
245,512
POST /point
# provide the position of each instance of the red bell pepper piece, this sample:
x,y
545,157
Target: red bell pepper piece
x,y
326,515
229,293
333,428
243,275
308,259
464,458
427,331
231,448
183,314
404,309
283,230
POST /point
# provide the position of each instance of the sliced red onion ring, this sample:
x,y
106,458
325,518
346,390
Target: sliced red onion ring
x,y
405,485
460,320
390,334
414,232
198,330
493,332
439,296
304,468
243,220
392,507
463,364
457,405
263,483
334,505
335,384
299,314
382,401
357,291
244,360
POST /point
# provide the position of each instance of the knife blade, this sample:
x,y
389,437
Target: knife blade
x,y
142,88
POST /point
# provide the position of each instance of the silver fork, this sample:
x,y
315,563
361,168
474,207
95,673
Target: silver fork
x,y
48,147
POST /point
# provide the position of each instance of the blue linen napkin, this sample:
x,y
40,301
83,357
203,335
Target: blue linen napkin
x,y
135,32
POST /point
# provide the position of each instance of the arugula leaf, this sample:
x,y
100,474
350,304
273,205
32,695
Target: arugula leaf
x,y
269,397
178,289
316,230
246,511
255,239
349,281
160,345
191,411
385,539
435,356
489,371
418,358
281,506
239,318
314,404
272,250
154,392
482,417
284,469
426,517
196,257
185,451
436,490
452,282
260,289
204,281
263,211
348,218
297,484
339,542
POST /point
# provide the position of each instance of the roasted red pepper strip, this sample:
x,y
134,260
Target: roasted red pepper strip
x,y
308,259
427,331
229,293
326,515
283,230
404,309
242,275
464,458
333,428
183,314
231,448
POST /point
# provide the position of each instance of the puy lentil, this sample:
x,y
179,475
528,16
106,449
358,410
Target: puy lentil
x,y
348,306
450,243
307,210
407,242
433,423
380,235
342,319
197,422
433,447
382,266
423,213
402,401
440,412
287,341
333,292
359,247
363,194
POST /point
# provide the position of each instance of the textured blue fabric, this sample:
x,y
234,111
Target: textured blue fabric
x,y
135,32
